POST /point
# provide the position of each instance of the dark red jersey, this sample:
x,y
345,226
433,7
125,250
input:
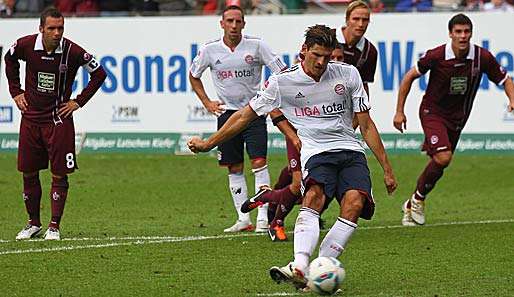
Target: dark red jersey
x,y
49,76
453,83
363,56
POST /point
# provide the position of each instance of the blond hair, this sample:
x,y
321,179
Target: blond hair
x,y
354,5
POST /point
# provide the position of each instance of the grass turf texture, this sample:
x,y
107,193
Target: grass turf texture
x,y
131,195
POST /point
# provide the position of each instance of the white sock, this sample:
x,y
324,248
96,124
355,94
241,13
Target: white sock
x,y
336,239
261,179
239,191
306,235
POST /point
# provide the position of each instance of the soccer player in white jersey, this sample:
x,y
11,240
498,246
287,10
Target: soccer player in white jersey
x,y
236,62
320,100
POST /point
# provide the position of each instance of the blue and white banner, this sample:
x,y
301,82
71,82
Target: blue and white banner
x,y
147,61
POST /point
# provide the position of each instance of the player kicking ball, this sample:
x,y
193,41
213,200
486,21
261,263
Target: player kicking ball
x,y
332,157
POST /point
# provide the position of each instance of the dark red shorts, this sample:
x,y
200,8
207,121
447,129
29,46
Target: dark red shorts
x,y
40,144
439,135
293,156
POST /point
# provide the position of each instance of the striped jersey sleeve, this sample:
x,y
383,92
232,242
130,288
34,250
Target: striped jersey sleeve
x,y
360,99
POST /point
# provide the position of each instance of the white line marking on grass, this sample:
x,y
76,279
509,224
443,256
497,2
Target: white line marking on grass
x,y
441,224
140,240
116,244
145,238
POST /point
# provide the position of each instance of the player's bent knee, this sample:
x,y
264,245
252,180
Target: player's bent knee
x,y
314,199
258,162
295,187
352,205
443,159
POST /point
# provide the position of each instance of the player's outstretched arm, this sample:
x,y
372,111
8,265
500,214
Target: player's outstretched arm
x,y
370,134
509,90
286,128
400,120
233,126
214,107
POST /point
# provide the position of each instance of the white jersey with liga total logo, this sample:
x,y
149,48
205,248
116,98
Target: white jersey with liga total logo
x,y
236,74
322,112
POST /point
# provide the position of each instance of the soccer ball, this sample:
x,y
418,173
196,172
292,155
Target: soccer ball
x,y
325,275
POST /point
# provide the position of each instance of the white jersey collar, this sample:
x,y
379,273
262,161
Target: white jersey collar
x,y
449,54
310,78
360,44
38,46
228,48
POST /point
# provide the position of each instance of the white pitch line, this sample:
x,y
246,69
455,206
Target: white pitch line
x,y
187,238
167,239
112,244
145,238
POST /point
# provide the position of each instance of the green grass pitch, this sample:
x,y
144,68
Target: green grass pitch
x,y
151,225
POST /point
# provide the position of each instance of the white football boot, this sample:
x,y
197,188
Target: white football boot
x,y
417,210
289,273
52,234
407,219
28,232
240,226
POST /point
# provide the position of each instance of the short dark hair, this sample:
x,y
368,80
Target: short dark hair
x,y
233,7
49,12
459,19
321,35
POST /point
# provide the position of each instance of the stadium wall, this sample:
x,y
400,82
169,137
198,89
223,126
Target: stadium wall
x,y
147,104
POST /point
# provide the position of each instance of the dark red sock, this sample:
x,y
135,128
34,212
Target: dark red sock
x,y
32,198
58,195
284,179
428,179
272,209
287,202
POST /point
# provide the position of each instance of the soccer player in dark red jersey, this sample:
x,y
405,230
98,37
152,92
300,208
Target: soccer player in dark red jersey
x,y
456,69
358,50
47,131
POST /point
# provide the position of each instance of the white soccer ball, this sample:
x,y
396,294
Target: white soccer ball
x,y
325,275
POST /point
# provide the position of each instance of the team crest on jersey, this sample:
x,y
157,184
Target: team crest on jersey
x,y
63,68
434,139
458,85
339,89
249,59
87,57
45,81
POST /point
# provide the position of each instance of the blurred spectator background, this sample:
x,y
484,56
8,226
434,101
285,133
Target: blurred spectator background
x,y
498,5
80,8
